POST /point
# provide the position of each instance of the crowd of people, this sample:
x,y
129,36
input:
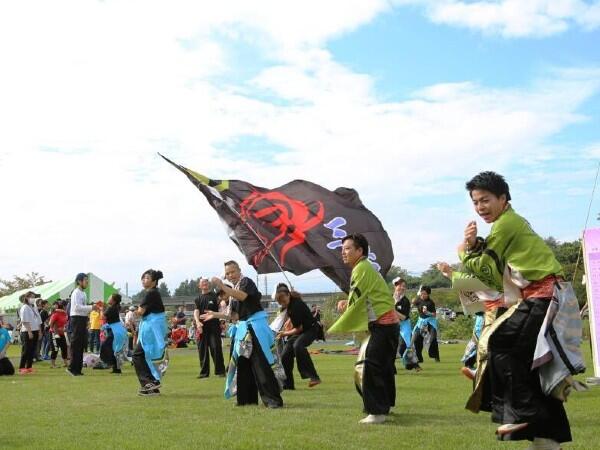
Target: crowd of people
x,y
523,278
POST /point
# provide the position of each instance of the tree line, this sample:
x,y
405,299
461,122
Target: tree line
x,y
567,253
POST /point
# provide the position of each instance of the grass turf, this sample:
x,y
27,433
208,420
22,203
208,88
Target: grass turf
x,y
51,409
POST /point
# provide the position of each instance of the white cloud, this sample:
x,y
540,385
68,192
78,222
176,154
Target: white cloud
x,y
514,18
89,97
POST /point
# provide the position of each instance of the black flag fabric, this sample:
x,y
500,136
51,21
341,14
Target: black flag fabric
x,y
297,227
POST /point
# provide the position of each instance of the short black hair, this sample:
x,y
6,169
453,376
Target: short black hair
x,y
117,297
232,262
359,242
426,289
489,181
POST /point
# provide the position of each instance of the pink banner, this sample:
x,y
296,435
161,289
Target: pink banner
x,y
591,247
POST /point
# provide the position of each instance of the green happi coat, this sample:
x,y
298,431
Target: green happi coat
x,y
368,300
511,251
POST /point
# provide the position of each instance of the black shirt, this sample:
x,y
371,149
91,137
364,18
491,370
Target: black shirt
x,y
208,302
252,302
112,314
428,304
152,302
403,306
44,315
299,314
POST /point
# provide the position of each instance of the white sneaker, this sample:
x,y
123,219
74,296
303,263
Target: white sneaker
x,y
544,444
373,419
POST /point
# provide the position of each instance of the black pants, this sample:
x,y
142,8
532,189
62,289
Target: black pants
x,y
28,347
254,376
296,346
107,355
211,342
517,396
141,366
79,336
434,351
379,384
56,343
6,367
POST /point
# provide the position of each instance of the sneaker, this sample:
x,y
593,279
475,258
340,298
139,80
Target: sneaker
x,y
509,428
150,393
373,419
23,372
202,375
313,383
30,370
69,372
469,373
148,387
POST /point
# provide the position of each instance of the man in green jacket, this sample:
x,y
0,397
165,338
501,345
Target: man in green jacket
x,y
515,261
370,307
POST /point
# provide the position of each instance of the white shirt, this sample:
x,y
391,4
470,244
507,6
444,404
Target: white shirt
x,y
78,304
30,315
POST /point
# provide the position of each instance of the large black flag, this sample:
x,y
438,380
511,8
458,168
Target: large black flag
x,y
296,227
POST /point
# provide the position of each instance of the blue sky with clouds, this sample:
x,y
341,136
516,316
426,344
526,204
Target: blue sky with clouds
x,y
419,94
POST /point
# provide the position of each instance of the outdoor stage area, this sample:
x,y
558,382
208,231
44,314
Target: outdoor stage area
x,y
52,410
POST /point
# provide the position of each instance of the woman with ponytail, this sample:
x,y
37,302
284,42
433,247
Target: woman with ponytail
x,y
149,357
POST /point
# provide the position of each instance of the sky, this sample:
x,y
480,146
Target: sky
x,y
402,100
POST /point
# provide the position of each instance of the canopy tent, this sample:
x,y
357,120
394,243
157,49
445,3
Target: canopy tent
x,y
97,289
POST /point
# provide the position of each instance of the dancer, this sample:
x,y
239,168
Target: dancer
x,y
150,356
406,348
303,333
250,369
426,328
113,348
514,260
370,306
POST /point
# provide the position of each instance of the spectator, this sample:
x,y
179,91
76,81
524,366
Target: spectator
x,y
58,340
210,340
30,330
179,317
94,331
131,324
43,342
316,312
78,317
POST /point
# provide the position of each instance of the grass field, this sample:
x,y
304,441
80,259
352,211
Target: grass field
x,y
50,409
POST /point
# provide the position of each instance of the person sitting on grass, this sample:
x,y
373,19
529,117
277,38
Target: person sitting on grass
x,y
6,367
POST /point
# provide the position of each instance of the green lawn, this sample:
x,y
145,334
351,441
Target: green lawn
x,y
100,410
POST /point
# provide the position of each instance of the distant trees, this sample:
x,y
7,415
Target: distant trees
x,y
187,288
17,283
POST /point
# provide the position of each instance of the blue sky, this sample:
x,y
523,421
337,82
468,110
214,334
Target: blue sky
x,y
421,95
